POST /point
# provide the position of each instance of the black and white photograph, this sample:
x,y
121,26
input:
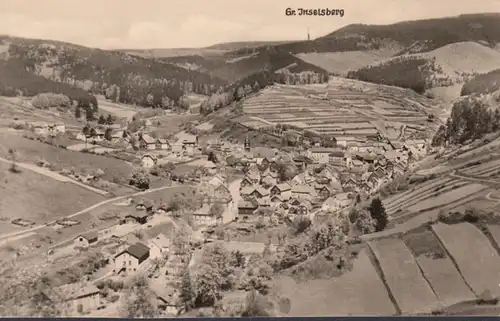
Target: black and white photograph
x,y
249,158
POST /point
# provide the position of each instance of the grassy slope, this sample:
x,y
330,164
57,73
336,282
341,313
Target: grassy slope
x,y
37,197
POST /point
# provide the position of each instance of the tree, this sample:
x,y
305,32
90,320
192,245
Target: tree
x,y
140,179
217,210
364,223
212,157
256,305
13,158
180,242
86,130
237,259
89,114
109,120
377,212
101,120
186,292
108,134
138,300
78,113
213,275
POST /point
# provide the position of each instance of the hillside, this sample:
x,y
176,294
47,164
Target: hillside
x,y
122,77
352,111
445,66
239,45
482,84
410,36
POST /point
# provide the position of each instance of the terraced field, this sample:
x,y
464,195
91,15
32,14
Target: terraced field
x,y
402,274
342,108
475,256
437,267
446,192
488,170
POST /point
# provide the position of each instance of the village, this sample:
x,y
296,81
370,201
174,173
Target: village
x,y
234,189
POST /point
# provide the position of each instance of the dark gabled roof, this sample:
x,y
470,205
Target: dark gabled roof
x,y
89,236
139,214
137,250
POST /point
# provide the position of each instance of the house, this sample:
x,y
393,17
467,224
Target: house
x,y
187,142
283,189
269,176
351,183
303,191
163,209
210,167
167,298
373,178
367,186
321,155
316,141
147,142
325,191
144,205
217,180
139,217
246,181
260,192
336,157
268,181
97,135
262,161
76,297
130,258
148,161
57,128
264,202
85,240
159,246
163,144
303,178
336,202
246,208
39,128
302,161
253,176
203,216
247,191
380,172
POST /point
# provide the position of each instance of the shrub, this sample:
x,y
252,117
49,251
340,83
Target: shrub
x,y
47,100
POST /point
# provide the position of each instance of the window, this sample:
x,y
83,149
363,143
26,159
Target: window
x,y
129,262
81,239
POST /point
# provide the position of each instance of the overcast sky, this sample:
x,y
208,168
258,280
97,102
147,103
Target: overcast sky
x,y
197,23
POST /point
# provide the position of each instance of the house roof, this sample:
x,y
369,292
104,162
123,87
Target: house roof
x,y
210,165
138,215
72,291
89,236
246,204
166,293
137,250
262,191
264,202
303,189
283,187
253,175
247,190
186,138
161,241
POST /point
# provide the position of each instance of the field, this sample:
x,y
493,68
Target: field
x,y
474,255
118,110
341,62
438,268
444,192
30,151
403,276
38,198
345,108
357,292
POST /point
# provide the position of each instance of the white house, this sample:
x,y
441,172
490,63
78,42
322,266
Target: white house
x,y
85,240
130,258
147,142
159,246
203,216
148,161
337,202
163,144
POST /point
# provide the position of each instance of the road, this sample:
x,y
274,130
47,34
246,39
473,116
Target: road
x,y
88,209
53,175
234,188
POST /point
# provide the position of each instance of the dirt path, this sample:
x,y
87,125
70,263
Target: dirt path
x,y
6,237
53,175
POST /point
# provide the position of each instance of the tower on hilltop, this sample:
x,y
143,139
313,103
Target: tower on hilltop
x,y
308,35
247,144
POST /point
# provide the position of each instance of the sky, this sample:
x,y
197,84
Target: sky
x,y
144,24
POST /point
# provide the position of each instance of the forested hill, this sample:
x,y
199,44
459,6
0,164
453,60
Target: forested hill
x,y
122,77
411,36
